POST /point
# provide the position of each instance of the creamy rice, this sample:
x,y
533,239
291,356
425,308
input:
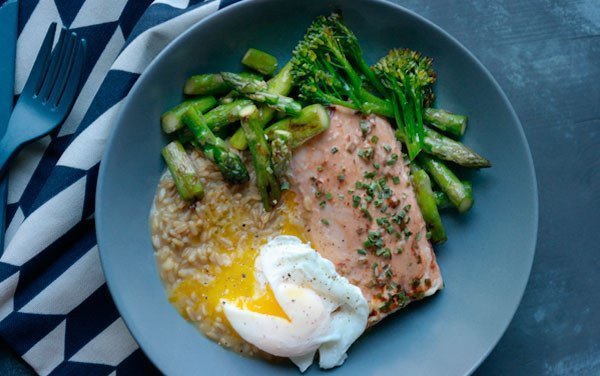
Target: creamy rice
x,y
193,241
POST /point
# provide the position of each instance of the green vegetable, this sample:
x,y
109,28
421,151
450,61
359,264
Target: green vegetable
x,y
427,203
260,61
408,76
290,133
443,202
328,66
281,152
266,181
446,121
458,194
257,91
329,70
221,116
280,84
171,120
447,149
210,84
312,120
182,170
229,163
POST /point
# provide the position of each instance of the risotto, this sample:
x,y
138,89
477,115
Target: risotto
x,y
196,242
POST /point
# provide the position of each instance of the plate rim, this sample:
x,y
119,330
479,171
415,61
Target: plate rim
x,y
99,229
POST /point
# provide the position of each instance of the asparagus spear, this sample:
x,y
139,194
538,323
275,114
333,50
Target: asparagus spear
x,y
448,183
289,133
312,120
447,149
211,83
230,164
281,151
221,116
260,61
446,121
453,151
171,120
443,202
182,170
280,84
184,135
267,182
257,91
427,203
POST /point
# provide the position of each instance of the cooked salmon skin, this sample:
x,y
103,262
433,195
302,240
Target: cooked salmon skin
x,y
353,193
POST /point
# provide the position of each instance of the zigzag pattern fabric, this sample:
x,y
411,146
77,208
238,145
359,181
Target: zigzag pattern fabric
x,y
55,308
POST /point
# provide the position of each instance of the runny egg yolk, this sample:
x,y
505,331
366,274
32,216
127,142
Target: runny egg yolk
x,y
237,282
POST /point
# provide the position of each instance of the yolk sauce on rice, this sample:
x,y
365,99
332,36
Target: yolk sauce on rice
x,y
237,282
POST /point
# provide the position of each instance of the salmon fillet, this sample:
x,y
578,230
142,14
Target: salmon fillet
x,y
354,195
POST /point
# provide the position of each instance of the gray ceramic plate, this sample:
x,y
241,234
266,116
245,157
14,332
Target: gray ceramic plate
x,y
485,263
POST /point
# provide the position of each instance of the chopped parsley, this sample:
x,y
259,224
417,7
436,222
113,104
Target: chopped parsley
x,y
366,213
369,174
393,159
365,127
366,154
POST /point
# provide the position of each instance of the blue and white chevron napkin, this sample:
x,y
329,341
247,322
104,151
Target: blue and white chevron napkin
x,y
55,308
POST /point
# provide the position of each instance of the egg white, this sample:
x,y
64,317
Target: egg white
x,y
326,312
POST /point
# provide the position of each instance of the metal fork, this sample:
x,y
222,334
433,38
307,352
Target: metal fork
x,y
48,95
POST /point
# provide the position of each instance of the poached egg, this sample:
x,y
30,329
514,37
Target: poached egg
x,y
322,311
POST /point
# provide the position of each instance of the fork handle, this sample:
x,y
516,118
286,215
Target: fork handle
x,y
8,147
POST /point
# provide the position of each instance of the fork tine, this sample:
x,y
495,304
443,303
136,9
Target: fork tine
x,y
57,56
63,73
73,82
38,71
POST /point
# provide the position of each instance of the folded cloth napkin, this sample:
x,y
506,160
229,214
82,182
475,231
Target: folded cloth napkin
x,y
55,308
